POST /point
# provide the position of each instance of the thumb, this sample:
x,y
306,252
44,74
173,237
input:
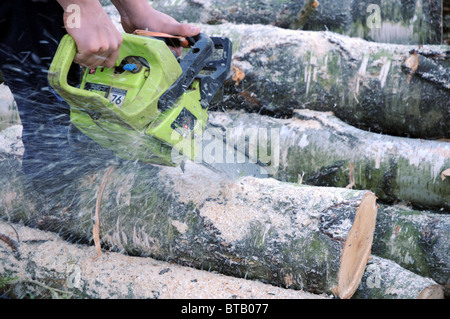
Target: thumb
x,y
182,29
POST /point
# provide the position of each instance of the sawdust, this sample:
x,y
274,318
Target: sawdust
x,y
198,182
234,222
266,201
11,141
238,76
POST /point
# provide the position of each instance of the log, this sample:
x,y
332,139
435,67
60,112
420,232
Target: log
x,y
395,21
391,89
415,240
42,265
8,108
319,149
384,279
304,14
45,266
258,229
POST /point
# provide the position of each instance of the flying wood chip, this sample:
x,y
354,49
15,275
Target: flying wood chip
x,y
239,74
445,173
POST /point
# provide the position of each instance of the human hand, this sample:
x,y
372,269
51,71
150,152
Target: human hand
x,y
139,14
97,39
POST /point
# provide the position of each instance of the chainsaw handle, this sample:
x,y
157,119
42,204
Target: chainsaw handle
x,y
59,70
164,67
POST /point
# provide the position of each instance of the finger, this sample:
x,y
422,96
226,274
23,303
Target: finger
x,y
177,50
89,60
92,54
113,53
104,54
182,29
110,61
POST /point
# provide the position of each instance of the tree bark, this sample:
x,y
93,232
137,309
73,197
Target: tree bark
x,y
446,22
319,149
396,21
8,108
415,240
258,229
384,88
45,266
387,280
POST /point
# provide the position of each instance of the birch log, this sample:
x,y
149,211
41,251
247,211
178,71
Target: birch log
x,y
319,149
384,279
416,240
393,89
8,108
45,266
446,22
395,21
258,229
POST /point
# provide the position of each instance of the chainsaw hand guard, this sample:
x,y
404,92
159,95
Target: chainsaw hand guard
x,y
197,60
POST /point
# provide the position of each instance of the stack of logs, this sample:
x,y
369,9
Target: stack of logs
x,y
359,200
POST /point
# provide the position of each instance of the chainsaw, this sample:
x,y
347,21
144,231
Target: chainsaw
x,y
151,104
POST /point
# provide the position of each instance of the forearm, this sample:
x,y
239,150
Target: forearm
x,y
87,9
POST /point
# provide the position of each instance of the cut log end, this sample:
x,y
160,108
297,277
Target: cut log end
x,y
357,247
432,292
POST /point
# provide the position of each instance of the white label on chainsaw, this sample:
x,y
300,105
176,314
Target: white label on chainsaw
x,y
117,96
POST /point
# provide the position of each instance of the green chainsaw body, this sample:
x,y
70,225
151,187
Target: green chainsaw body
x,y
149,103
